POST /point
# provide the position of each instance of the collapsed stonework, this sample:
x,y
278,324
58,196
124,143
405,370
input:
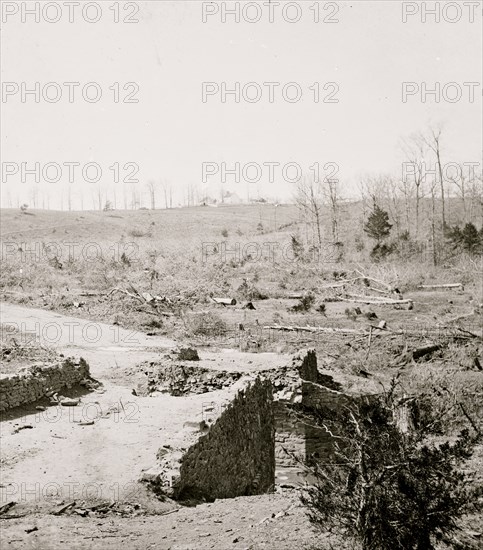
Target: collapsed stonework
x,y
235,446
235,456
37,381
179,379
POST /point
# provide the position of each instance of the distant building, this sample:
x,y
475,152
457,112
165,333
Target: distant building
x,y
231,198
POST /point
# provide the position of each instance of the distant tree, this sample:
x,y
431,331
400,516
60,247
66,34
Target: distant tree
x,y
415,151
331,195
471,238
151,185
108,206
297,247
432,138
378,226
24,207
468,239
309,200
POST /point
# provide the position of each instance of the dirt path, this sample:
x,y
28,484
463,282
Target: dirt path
x,y
269,522
59,459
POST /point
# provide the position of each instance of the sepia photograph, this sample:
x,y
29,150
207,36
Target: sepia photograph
x,y
241,275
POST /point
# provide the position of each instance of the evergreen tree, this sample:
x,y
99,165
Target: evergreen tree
x,y
389,487
378,226
471,238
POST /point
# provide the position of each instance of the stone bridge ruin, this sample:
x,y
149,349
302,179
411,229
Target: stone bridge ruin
x,y
249,440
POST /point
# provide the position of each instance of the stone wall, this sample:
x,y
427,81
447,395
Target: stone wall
x,y
33,383
234,457
298,440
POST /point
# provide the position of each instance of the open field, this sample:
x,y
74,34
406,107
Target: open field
x,y
122,289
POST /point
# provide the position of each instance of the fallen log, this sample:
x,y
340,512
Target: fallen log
x,y
456,319
415,354
379,298
6,507
328,330
225,301
371,300
426,350
471,333
445,285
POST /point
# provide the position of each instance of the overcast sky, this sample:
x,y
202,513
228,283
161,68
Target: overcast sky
x,y
170,132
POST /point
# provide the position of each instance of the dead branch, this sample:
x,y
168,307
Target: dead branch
x,y
470,420
142,299
136,297
382,283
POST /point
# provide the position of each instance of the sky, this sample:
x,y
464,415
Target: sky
x,y
170,132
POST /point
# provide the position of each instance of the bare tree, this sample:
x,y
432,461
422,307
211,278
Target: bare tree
x,y
363,193
34,195
135,199
407,192
331,193
124,196
151,185
374,188
168,193
475,194
459,181
433,222
309,199
99,197
192,194
414,150
393,202
433,141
